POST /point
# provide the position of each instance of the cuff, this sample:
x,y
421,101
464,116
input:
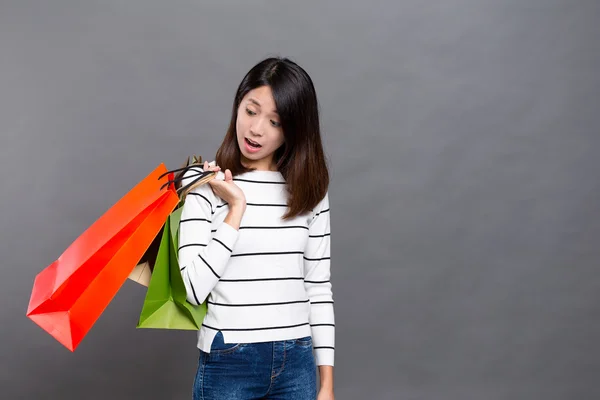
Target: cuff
x,y
324,356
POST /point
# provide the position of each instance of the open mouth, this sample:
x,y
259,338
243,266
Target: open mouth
x,y
252,144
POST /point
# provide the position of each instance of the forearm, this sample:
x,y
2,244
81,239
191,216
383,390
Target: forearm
x,y
203,256
234,217
326,377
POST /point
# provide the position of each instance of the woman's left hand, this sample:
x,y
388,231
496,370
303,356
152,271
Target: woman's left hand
x,y
325,395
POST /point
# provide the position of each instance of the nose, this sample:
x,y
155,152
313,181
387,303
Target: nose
x,y
257,127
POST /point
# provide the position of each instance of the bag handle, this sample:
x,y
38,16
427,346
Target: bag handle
x,y
200,178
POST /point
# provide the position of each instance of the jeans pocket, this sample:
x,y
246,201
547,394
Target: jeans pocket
x,y
305,341
219,346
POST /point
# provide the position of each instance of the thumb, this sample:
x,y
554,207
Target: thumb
x,y
228,176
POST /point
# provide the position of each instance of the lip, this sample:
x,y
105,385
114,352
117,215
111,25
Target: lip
x,y
253,141
251,149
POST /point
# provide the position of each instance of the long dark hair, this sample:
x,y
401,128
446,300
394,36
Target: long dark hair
x,y
300,159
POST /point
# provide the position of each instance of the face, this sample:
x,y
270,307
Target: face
x,y
258,127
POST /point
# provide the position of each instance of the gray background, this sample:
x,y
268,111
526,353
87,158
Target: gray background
x,y
463,139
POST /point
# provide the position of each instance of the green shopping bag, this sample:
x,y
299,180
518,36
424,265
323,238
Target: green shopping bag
x,y
165,305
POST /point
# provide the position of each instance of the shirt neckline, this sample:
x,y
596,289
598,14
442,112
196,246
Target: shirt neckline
x,y
272,176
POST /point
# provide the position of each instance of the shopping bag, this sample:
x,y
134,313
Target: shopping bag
x,y
69,295
142,272
165,305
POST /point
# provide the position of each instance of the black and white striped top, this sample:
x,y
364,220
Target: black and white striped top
x,y
268,281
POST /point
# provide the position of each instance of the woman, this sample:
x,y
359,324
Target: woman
x,y
255,246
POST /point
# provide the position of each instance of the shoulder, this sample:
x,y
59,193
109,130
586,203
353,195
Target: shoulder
x,y
324,203
322,206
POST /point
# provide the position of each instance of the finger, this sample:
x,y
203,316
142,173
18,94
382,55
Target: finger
x,y
228,176
205,165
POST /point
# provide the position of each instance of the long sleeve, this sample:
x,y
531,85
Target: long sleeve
x,y
317,261
202,255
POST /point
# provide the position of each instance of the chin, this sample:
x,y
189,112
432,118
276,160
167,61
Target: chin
x,y
251,157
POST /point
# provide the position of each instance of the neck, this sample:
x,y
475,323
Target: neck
x,y
261,167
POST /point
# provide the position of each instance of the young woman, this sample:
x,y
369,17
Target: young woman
x,y
255,246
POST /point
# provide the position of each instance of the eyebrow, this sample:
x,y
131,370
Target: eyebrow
x,y
252,100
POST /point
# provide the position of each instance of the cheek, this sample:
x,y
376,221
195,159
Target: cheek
x,y
238,132
241,123
280,139
238,126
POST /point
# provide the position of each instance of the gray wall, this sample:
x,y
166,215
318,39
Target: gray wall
x,y
463,137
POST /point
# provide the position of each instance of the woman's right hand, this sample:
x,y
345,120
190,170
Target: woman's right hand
x,y
226,189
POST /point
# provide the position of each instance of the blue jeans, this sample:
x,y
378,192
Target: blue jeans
x,y
283,370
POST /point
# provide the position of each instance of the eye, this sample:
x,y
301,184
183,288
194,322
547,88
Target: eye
x,y
275,124
250,112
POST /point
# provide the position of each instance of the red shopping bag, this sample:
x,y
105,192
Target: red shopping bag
x,y
69,295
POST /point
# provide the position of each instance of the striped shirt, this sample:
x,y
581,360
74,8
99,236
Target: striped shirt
x,y
267,281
